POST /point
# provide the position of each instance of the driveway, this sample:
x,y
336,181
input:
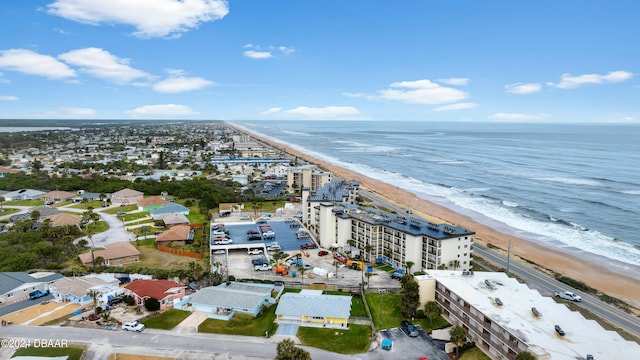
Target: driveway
x,y
405,347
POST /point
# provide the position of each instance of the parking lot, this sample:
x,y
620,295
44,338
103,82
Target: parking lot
x,y
236,262
405,347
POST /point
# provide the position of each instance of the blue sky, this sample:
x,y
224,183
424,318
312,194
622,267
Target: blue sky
x,y
501,61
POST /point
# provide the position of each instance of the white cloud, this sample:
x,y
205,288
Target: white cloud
x,y
161,111
266,52
151,18
621,120
181,84
520,88
273,110
8,98
354,95
102,64
286,50
258,54
420,92
32,63
567,81
456,106
517,117
319,113
455,81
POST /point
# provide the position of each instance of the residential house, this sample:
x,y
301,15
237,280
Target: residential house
x,y
114,254
23,194
44,211
88,196
169,209
16,286
5,171
151,203
223,301
171,220
165,291
312,308
77,289
57,196
126,197
64,219
178,235
225,209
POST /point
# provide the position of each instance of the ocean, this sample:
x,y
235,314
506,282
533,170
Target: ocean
x,y
574,188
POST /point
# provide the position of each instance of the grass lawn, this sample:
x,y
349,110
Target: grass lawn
x,y
134,216
93,204
114,210
97,227
357,307
74,353
167,320
155,259
242,324
37,202
386,268
391,315
8,211
354,340
438,323
474,354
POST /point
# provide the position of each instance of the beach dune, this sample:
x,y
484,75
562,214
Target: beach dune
x,y
626,288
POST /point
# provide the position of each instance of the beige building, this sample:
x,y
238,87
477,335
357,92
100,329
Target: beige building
x,y
307,176
334,220
115,254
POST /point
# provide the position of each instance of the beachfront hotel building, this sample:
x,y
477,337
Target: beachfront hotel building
x,y
331,215
307,176
504,317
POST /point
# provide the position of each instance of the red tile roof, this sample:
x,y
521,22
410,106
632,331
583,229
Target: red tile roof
x,y
158,289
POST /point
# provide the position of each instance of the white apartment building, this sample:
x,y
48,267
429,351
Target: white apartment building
x,y
497,313
307,176
332,216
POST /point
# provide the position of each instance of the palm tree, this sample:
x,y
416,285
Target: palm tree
x,y
409,265
431,310
94,294
368,249
458,337
2,200
454,264
525,355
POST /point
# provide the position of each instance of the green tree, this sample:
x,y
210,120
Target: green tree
x,y
287,350
431,310
409,265
458,337
94,295
410,297
525,355
36,165
2,200
152,304
454,264
35,215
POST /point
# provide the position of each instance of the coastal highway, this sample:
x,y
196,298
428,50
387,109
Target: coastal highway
x,y
538,280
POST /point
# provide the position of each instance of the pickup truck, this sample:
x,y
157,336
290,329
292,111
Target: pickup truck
x,y
254,252
262,267
568,295
133,326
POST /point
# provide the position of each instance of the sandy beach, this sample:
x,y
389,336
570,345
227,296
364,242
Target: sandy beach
x,y
626,288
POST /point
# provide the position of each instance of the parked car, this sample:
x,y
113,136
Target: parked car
x,y
559,330
308,246
254,252
409,328
133,326
262,267
322,252
37,294
307,266
120,213
115,301
259,261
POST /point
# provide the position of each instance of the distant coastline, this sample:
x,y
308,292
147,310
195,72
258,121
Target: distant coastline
x,y
13,129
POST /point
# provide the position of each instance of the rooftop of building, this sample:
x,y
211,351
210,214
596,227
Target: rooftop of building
x,y
335,190
582,336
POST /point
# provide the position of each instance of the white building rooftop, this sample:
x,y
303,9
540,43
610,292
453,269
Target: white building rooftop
x,y
582,336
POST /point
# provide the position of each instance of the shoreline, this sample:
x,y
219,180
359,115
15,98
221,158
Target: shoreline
x,y
595,275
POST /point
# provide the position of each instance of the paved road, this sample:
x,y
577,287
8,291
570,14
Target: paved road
x,y
545,284
153,341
